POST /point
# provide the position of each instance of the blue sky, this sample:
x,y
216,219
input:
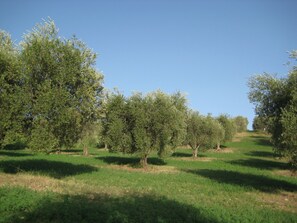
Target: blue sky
x,y
206,49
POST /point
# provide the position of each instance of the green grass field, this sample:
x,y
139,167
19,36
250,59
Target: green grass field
x,y
242,183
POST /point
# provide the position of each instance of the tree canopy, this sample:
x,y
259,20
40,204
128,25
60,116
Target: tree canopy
x,y
228,125
12,97
142,124
61,88
203,132
275,101
241,123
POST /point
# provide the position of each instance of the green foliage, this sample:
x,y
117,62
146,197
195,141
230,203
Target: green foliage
x,y
203,132
241,123
142,124
12,97
216,132
196,130
50,88
259,124
229,127
115,126
276,103
90,137
167,120
42,138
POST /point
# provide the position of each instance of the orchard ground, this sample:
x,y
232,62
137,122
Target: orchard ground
x,y
244,182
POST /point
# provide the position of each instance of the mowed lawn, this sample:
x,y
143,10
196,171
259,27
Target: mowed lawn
x,y
242,183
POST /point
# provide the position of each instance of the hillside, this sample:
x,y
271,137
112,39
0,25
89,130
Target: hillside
x,y
242,183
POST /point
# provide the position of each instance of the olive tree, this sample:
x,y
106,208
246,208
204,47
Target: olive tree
x,y
259,124
241,123
63,87
143,124
12,97
115,123
197,134
203,132
216,133
229,127
275,101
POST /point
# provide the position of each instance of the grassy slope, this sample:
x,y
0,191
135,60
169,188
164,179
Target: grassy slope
x,y
247,184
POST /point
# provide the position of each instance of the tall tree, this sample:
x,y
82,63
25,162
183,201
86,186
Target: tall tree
x,y
63,85
115,124
12,97
276,101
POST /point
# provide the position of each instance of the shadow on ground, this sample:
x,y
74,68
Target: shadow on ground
x,y
260,164
181,154
265,154
132,161
15,146
100,208
185,155
55,169
261,183
262,141
13,154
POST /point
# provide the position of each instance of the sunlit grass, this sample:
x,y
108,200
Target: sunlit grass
x,y
245,184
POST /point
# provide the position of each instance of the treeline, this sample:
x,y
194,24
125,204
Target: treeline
x,y
52,98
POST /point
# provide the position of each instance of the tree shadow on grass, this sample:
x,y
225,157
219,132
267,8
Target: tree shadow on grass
x,y
262,141
55,169
14,154
183,154
260,164
72,150
261,183
15,146
265,154
103,208
131,161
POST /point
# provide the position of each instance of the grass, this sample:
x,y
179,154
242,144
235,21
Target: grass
x,y
245,184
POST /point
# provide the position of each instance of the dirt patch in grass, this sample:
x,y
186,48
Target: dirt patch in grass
x,y
198,159
71,186
238,137
286,201
287,173
38,183
148,169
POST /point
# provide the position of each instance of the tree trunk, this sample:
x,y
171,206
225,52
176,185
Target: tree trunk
x,y
143,161
195,152
85,151
218,146
105,146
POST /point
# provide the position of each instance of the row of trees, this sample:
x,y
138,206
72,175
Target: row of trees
x,y
275,102
160,122
52,97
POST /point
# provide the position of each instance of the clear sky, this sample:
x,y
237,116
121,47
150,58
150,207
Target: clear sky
x,y
206,49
